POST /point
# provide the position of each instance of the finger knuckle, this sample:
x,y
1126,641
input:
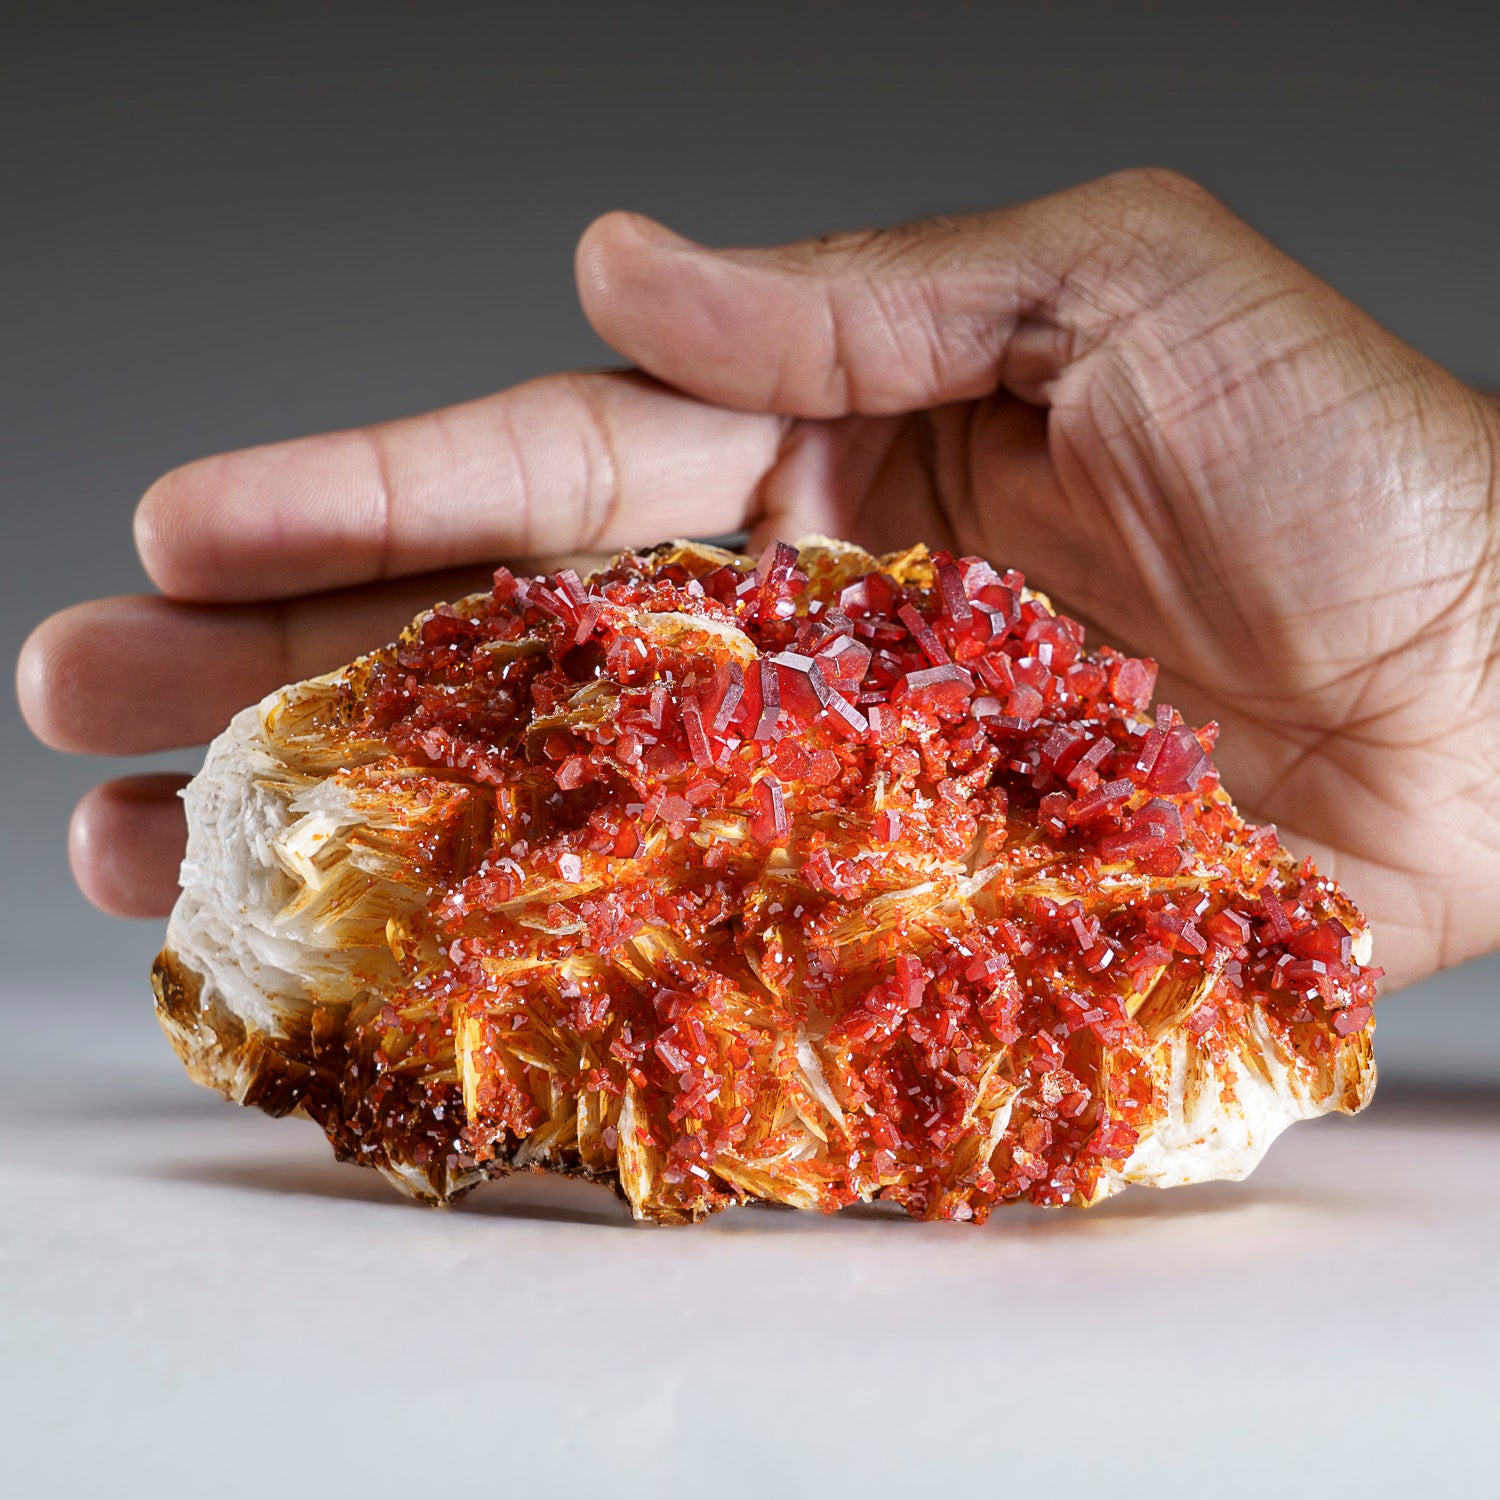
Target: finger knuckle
x,y
847,244
598,458
1159,186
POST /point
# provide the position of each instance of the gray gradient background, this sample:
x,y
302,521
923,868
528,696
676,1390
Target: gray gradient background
x,y
222,227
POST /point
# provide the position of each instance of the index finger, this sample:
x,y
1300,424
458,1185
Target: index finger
x,y
566,463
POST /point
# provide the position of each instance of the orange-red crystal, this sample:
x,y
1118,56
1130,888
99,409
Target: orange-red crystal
x,y
760,825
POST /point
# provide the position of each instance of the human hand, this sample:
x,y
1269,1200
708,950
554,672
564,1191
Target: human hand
x,y
1190,442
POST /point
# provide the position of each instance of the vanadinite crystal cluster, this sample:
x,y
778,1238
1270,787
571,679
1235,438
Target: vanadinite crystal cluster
x,y
817,879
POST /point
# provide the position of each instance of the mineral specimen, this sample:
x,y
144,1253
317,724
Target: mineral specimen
x,y
815,880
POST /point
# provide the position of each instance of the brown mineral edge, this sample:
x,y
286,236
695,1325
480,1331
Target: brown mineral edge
x,y
811,881
265,1073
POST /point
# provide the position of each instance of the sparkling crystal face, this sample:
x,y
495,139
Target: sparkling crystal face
x,y
816,879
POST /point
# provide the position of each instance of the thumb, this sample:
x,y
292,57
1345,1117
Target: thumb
x,y
947,310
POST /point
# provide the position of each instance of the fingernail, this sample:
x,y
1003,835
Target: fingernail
x,y
659,236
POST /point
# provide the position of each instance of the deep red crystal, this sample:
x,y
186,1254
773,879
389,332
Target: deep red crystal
x,y
739,809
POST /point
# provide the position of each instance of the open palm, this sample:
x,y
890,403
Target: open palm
x,y
1193,444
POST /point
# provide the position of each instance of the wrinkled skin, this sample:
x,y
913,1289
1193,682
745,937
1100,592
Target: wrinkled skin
x,y
1196,446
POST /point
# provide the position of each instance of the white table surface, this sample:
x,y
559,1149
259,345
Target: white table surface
x,y
196,1299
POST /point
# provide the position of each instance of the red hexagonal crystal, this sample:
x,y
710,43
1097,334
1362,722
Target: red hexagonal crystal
x,y
818,880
